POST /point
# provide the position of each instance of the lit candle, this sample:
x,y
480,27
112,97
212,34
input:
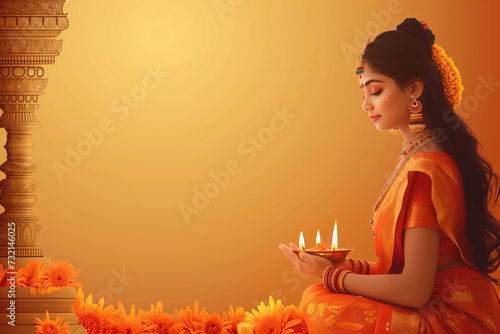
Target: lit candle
x,y
334,237
302,244
318,238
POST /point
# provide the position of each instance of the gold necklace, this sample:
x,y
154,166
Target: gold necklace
x,y
410,147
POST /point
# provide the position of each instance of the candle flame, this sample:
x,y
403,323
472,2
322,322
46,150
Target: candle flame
x,y
302,244
334,237
318,238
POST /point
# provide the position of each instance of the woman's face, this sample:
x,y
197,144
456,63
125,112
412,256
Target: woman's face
x,y
383,98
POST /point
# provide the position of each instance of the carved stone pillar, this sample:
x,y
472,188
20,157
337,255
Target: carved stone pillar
x,y
27,31
27,43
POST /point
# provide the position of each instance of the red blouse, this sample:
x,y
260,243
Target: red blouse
x,y
420,211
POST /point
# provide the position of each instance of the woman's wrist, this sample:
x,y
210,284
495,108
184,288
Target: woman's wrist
x,y
333,278
324,271
360,267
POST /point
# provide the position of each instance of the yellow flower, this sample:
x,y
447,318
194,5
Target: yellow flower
x,y
450,76
274,318
47,326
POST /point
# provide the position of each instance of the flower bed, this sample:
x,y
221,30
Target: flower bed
x,y
273,318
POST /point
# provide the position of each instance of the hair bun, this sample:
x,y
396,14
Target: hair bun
x,y
413,27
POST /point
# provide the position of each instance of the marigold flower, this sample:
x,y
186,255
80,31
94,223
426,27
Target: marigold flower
x,y
235,316
92,316
47,326
297,314
131,323
450,76
30,276
162,322
274,318
60,274
213,324
4,276
186,319
111,326
2,272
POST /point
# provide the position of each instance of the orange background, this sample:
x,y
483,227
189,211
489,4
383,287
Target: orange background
x,y
229,72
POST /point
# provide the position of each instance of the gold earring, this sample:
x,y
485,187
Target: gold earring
x,y
395,131
417,123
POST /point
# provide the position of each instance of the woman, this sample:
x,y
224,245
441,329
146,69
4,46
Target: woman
x,y
436,240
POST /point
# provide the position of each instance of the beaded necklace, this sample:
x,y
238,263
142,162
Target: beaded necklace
x,y
410,147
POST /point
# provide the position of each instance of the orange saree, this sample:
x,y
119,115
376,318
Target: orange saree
x,y
463,299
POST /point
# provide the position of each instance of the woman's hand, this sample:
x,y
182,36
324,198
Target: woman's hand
x,y
306,263
344,264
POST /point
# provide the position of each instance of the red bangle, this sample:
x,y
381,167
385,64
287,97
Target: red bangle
x,y
333,278
360,267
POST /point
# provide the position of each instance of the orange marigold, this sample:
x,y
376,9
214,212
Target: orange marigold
x,y
131,323
31,275
235,316
113,327
450,76
3,272
47,326
274,318
92,316
297,314
186,319
60,274
5,277
162,322
213,324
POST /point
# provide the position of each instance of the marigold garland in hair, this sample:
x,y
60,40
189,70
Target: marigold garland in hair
x,y
450,76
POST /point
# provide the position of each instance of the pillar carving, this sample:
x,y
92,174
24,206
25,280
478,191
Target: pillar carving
x,y
27,43
28,31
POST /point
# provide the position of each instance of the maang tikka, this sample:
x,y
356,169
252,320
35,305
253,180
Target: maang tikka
x,y
361,61
359,70
416,118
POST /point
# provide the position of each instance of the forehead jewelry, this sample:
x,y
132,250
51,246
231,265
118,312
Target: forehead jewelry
x,y
361,61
